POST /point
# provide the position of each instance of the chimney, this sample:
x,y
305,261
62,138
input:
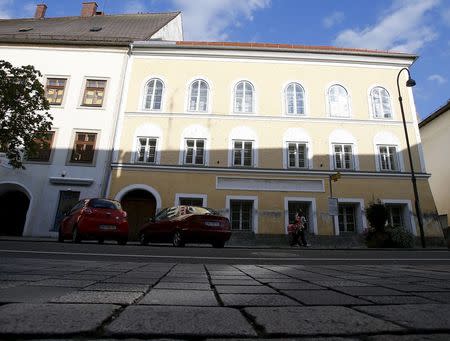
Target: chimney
x,y
88,9
40,11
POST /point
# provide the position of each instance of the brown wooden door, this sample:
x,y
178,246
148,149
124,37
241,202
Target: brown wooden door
x,y
140,206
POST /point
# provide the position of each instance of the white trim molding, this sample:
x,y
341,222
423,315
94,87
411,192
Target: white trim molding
x,y
410,223
360,216
144,187
244,197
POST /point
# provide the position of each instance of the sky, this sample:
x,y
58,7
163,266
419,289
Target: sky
x,y
419,27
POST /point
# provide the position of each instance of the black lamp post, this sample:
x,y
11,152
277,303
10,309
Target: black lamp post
x,y
410,83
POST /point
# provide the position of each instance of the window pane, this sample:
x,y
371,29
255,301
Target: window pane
x,y
301,155
292,152
247,154
239,95
199,155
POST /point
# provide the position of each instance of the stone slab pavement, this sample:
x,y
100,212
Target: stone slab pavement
x,y
88,300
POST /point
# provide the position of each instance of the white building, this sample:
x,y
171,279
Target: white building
x,y
83,61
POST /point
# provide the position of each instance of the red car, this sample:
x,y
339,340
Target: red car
x,y
95,219
184,224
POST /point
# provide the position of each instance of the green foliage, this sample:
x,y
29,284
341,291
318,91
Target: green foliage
x,y
376,214
382,235
23,115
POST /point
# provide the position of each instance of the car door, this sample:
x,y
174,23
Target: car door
x,y
70,220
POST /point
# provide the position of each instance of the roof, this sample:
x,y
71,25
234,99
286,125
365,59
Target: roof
x,y
293,48
98,29
436,114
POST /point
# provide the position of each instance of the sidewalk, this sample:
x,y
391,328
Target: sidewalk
x,y
55,299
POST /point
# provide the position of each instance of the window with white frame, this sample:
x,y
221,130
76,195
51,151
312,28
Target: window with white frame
x,y
243,153
244,97
388,158
381,103
338,101
347,218
297,155
198,96
241,215
153,94
395,215
295,99
343,156
194,151
146,149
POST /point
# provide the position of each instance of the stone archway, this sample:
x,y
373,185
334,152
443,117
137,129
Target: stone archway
x,y
14,205
140,206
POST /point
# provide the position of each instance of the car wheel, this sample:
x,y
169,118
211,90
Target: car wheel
x,y
143,239
177,239
220,244
76,238
122,241
101,241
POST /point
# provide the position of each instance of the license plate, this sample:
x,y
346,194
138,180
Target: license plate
x,y
212,223
107,227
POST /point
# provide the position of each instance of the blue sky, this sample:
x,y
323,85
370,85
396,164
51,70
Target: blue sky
x,y
414,26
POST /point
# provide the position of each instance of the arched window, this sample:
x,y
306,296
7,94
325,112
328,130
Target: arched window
x,y
244,97
381,103
153,94
295,99
338,101
198,96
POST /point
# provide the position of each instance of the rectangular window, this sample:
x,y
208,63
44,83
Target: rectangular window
x,y
297,155
54,90
343,156
84,148
241,215
194,152
395,215
243,153
347,219
94,93
294,207
146,150
41,149
388,158
191,201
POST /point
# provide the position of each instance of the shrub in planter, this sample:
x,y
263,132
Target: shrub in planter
x,y
376,235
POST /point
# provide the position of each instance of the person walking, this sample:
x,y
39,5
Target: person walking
x,y
297,230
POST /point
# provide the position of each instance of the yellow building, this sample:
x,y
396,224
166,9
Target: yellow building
x,y
256,130
435,133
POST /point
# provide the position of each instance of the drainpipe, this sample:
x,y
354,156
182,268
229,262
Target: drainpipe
x,y
118,118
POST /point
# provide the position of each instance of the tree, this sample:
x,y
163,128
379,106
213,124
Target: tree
x,y
23,111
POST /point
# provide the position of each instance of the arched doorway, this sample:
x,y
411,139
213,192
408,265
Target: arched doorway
x,y
14,204
140,206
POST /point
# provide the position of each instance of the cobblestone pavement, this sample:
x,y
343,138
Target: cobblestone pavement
x,y
55,299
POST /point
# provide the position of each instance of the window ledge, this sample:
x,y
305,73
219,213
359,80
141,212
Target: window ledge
x,y
71,181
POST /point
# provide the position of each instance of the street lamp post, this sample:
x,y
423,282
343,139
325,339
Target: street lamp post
x,y
410,83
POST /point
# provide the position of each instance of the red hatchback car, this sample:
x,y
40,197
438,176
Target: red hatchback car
x,y
184,224
95,219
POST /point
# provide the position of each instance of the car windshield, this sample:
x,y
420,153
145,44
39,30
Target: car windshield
x,y
103,203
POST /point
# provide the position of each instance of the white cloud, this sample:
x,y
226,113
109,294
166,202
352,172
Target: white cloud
x,y
5,9
134,6
404,28
210,19
446,16
438,79
333,19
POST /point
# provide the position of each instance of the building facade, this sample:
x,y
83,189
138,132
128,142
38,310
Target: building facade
x,y
83,61
435,133
256,130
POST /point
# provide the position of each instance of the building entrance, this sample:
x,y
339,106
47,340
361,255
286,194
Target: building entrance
x,y
140,206
13,210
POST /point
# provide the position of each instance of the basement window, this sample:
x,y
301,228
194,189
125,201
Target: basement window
x,y
96,29
25,29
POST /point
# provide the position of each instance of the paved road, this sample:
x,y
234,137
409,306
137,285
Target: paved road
x,y
227,255
89,291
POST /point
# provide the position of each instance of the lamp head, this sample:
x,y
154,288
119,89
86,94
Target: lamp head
x,y
410,82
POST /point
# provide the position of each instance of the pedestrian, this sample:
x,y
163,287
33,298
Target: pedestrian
x,y
297,230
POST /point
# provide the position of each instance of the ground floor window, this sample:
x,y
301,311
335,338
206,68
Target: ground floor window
x,y
395,215
294,207
347,219
186,201
241,215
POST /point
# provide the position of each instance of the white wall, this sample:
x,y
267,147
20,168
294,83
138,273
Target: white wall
x,y
76,64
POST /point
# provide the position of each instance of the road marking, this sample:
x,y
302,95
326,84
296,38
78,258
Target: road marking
x,y
222,258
